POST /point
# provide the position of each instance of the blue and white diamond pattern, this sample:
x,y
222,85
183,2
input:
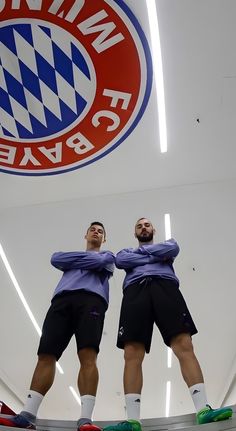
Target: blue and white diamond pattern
x,y
46,83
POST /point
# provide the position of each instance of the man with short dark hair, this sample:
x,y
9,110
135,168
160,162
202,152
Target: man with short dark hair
x,y
152,295
78,308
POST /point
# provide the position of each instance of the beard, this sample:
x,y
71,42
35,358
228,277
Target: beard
x,y
96,242
145,237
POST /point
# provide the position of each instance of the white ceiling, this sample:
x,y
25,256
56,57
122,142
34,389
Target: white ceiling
x,y
194,182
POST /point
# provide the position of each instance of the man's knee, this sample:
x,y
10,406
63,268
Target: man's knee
x,y
46,358
182,344
134,352
87,357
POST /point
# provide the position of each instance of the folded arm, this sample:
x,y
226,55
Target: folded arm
x,y
163,251
130,258
83,260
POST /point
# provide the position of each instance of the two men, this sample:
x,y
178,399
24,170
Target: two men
x,y
152,295
78,308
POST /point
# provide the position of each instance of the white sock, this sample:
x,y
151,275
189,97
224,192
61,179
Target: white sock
x,y
198,394
132,402
87,406
33,402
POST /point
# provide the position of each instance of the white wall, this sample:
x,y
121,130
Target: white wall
x,y
9,397
203,218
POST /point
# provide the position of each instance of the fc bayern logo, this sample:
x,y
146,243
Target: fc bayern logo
x,y
75,79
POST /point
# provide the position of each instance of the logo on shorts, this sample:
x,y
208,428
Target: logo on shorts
x,y
75,79
186,320
94,313
121,331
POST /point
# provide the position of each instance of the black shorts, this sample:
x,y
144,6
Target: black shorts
x,y
148,301
78,313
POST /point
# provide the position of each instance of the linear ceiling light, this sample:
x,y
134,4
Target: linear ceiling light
x,y
75,395
167,227
168,390
59,368
169,357
22,298
158,72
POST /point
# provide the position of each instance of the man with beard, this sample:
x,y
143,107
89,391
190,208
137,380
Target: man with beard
x,y
78,308
152,295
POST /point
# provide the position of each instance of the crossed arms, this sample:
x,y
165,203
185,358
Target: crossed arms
x,y
127,258
163,252
86,260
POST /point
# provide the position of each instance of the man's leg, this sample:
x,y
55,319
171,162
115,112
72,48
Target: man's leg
x,y
133,375
88,374
182,346
44,374
133,382
133,378
87,384
91,309
42,381
136,323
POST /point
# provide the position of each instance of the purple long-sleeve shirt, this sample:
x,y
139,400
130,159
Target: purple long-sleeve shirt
x,y
148,260
89,270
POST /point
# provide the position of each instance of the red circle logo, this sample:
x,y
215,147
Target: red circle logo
x,y
75,79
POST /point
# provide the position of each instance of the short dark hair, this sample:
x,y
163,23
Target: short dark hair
x,y
99,224
141,218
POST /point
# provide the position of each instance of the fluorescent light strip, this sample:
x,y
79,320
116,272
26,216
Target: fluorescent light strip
x,y
167,226
22,298
158,72
59,368
75,395
168,390
169,357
